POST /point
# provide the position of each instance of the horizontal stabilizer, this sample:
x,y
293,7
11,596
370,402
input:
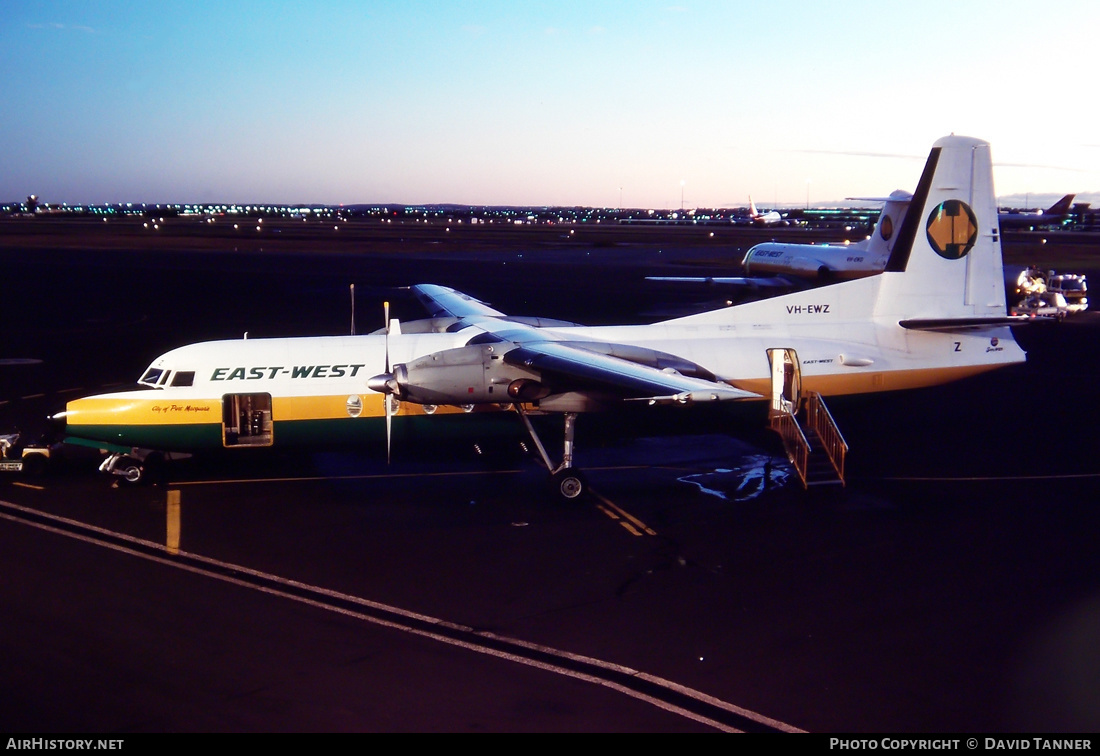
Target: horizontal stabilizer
x,y
898,195
752,283
956,324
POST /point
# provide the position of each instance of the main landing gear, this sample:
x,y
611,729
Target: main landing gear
x,y
568,482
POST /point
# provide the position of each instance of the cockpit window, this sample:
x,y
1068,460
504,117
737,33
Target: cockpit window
x,y
161,378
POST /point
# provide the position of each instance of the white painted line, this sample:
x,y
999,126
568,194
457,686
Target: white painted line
x,y
171,562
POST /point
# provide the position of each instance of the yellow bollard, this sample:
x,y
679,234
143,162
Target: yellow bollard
x,y
173,543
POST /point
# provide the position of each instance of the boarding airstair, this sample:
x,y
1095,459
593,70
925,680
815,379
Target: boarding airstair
x,y
814,444
812,441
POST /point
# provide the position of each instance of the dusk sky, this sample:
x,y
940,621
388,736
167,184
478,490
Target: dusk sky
x,y
633,103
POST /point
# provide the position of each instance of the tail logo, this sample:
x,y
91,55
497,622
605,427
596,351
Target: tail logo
x,y
886,229
952,229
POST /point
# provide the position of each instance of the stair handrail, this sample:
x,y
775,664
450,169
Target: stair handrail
x,y
794,441
822,422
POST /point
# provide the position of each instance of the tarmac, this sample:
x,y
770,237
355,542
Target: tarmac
x,y
952,586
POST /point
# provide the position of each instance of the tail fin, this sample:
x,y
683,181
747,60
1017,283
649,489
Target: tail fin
x,y
753,212
944,272
946,263
885,234
1061,207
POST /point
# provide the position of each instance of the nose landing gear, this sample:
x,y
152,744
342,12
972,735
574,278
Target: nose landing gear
x,y
135,467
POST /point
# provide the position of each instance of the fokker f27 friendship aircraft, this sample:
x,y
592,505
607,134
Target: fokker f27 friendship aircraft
x,y
935,314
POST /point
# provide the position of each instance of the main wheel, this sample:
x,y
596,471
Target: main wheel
x,y
569,484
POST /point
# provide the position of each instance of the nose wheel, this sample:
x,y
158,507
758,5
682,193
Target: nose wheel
x,y
132,472
138,467
129,468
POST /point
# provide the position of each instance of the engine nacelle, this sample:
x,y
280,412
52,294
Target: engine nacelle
x,y
809,266
473,374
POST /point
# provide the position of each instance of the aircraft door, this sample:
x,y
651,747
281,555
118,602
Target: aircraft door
x,y
786,380
246,420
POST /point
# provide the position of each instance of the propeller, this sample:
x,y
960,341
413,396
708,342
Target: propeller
x,y
387,383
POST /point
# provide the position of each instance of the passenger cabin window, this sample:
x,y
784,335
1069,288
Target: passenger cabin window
x,y
183,378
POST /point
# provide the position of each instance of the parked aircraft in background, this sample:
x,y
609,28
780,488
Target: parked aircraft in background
x,y
769,218
1056,213
782,265
829,262
936,313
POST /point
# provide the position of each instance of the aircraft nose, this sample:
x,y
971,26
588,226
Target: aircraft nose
x,y
57,421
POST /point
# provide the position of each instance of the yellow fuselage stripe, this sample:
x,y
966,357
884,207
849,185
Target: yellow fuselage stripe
x,y
157,408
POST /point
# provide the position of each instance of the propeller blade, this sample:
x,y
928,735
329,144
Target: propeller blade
x,y
389,427
386,397
386,310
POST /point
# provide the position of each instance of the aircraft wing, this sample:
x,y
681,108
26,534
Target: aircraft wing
x,y
595,368
445,302
441,301
587,369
